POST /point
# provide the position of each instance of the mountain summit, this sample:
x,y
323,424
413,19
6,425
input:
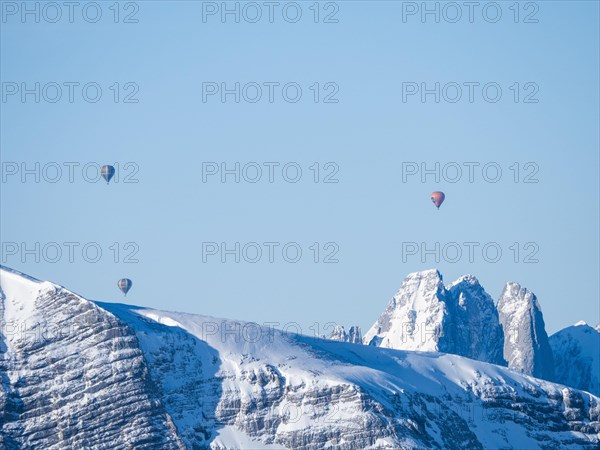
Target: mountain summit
x,y
417,316
526,346
426,315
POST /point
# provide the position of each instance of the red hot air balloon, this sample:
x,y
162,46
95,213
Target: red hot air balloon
x,y
437,198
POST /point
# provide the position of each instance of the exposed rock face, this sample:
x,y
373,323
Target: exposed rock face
x,y
576,352
355,335
526,347
478,331
73,375
143,378
425,315
339,334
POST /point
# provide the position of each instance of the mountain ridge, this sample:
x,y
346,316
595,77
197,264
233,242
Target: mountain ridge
x,y
178,380
461,318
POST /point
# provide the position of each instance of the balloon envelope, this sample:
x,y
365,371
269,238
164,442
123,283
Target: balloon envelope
x,y
437,198
125,284
107,173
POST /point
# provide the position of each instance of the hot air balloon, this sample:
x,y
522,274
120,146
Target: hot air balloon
x,y
437,198
107,173
125,284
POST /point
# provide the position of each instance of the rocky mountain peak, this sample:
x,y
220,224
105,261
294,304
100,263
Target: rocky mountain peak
x,y
526,347
414,317
426,315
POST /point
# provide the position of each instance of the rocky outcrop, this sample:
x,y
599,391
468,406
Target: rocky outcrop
x,y
526,347
478,331
339,334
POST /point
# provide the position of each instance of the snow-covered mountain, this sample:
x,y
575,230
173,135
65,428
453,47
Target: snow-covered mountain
x,y
79,374
417,317
425,315
576,352
526,346
339,334
73,375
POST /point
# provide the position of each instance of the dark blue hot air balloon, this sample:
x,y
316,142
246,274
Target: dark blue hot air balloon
x,y
107,173
125,284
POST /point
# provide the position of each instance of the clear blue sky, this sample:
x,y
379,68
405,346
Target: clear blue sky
x,y
369,133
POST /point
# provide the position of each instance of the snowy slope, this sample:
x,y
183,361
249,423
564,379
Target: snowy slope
x,y
301,392
174,379
576,351
67,365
